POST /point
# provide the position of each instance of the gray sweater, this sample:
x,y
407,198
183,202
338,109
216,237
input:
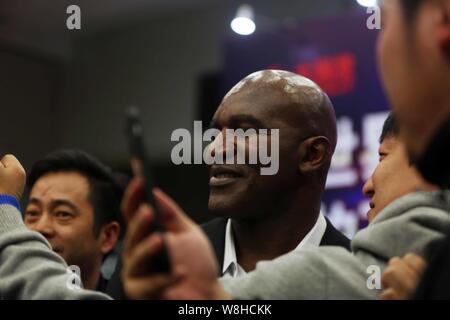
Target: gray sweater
x,y
413,223
29,269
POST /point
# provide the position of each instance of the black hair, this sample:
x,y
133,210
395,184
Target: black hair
x,y
105,193
390,128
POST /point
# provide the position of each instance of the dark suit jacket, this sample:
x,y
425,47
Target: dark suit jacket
x,y
215,231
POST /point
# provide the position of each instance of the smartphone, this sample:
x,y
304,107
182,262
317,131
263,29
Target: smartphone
x,y
141,166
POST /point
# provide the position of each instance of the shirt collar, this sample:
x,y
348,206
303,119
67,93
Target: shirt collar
x,y
315,235
229,258
230,264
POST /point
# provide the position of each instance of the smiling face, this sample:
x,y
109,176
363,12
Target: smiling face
x,y
304,117
393,177
239,190
59,208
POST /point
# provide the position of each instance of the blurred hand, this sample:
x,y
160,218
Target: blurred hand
x,y
12,176
194,268
401,277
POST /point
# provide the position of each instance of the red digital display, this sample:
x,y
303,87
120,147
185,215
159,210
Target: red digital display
x,y
334,74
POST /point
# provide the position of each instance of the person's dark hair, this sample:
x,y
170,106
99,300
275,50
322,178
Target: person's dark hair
x,y
390,128
105,192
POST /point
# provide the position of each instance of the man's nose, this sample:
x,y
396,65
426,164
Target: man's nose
x,y
221,145
44,226
368,188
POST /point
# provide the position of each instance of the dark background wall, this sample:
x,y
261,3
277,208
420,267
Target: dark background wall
x,y
61,88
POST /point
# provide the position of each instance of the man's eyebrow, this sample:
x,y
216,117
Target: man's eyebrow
x,y
34,200
245,118
236,120
63,202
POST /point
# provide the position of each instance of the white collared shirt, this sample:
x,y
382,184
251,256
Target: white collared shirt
x,y
231,268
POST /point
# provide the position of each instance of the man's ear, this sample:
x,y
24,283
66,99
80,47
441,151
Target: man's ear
x,y
108,237
313,153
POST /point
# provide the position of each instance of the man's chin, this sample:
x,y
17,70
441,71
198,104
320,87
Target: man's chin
x,y
219,210
371,214
223,206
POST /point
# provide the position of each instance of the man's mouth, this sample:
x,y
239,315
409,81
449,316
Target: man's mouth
x,y
221,175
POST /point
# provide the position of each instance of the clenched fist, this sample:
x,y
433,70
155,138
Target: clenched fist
x,y
12,176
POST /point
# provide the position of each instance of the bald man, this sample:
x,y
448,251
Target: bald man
x,y
261,217
265,216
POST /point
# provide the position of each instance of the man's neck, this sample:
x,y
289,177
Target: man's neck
x,y
91,278
274,235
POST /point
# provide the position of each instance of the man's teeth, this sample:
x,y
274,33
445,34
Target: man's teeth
x,y
225,175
